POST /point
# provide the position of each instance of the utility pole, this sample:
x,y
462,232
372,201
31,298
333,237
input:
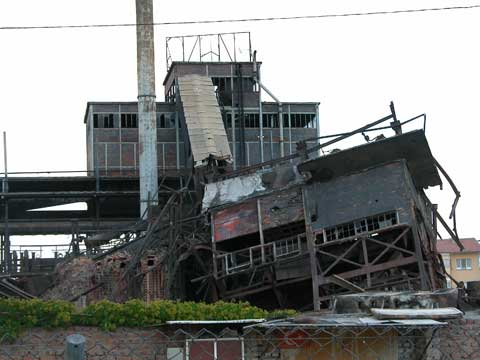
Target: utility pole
x,y
6,235
147,123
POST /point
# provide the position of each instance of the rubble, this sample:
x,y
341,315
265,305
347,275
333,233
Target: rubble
x,y
72,277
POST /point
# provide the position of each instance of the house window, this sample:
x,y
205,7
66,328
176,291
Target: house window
x,y
464,264
129,121
215,349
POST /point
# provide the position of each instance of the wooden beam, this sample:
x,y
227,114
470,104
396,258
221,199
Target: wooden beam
x,y
402,234
345,283
374,268
340,258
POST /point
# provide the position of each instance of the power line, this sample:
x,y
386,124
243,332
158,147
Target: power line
x,y
218,21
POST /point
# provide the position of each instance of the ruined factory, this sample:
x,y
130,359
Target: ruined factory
x,y
215,193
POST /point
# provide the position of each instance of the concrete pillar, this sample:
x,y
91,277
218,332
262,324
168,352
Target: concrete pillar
x,y
75,347
147,123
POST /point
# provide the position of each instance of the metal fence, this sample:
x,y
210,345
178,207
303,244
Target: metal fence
x,y
386,342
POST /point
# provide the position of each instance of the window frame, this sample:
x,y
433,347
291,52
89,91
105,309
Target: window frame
x,y
463,261
129,120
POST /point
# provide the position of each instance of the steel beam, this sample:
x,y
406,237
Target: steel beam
x,y
42,227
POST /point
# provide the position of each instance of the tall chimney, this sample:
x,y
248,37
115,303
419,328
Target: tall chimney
x,y
147,124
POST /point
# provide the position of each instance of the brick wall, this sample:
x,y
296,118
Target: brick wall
x,y
123,344
460,340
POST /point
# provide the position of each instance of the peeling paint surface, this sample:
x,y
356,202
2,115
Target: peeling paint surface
x,y
232,190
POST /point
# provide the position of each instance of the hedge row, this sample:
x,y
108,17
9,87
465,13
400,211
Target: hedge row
x,y
18,315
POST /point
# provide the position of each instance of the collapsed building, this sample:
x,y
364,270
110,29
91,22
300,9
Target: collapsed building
x,y
217,194
349,221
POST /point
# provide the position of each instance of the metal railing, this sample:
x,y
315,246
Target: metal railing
x,y
258,255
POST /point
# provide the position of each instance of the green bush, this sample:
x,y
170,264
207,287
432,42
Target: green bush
x,y
18,315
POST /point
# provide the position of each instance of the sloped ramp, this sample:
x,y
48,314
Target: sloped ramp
x,y
206,131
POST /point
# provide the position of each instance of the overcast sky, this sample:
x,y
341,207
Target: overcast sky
x,y
424,62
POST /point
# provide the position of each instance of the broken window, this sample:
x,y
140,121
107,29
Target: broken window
x,y
170,95
301,120
251,120
361,226
270,120
129,120
166,121
464,264
106,121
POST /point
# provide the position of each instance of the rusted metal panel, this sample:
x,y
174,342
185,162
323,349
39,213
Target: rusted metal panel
x,y
106,135
129,135
281,209
235,221
276,210
370,192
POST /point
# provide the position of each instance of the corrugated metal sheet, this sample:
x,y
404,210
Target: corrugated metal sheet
x,y
203,118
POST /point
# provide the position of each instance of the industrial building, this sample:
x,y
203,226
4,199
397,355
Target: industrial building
x,y
215,193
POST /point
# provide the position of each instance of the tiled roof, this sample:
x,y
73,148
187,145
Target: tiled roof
x,y
449,246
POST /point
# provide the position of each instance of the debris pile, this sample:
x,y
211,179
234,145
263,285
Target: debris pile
x,y
93,281
72,278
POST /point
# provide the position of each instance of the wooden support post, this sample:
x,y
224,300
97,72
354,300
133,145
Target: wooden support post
x,y
260,229
313,254
75,347
365,260
419,256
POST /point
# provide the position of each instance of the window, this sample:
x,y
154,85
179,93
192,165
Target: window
x,y
360,226
129,121
464,264
299,120
167,121
106,121
270,120
251,120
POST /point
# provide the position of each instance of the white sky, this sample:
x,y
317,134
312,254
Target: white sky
x,y
425,62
